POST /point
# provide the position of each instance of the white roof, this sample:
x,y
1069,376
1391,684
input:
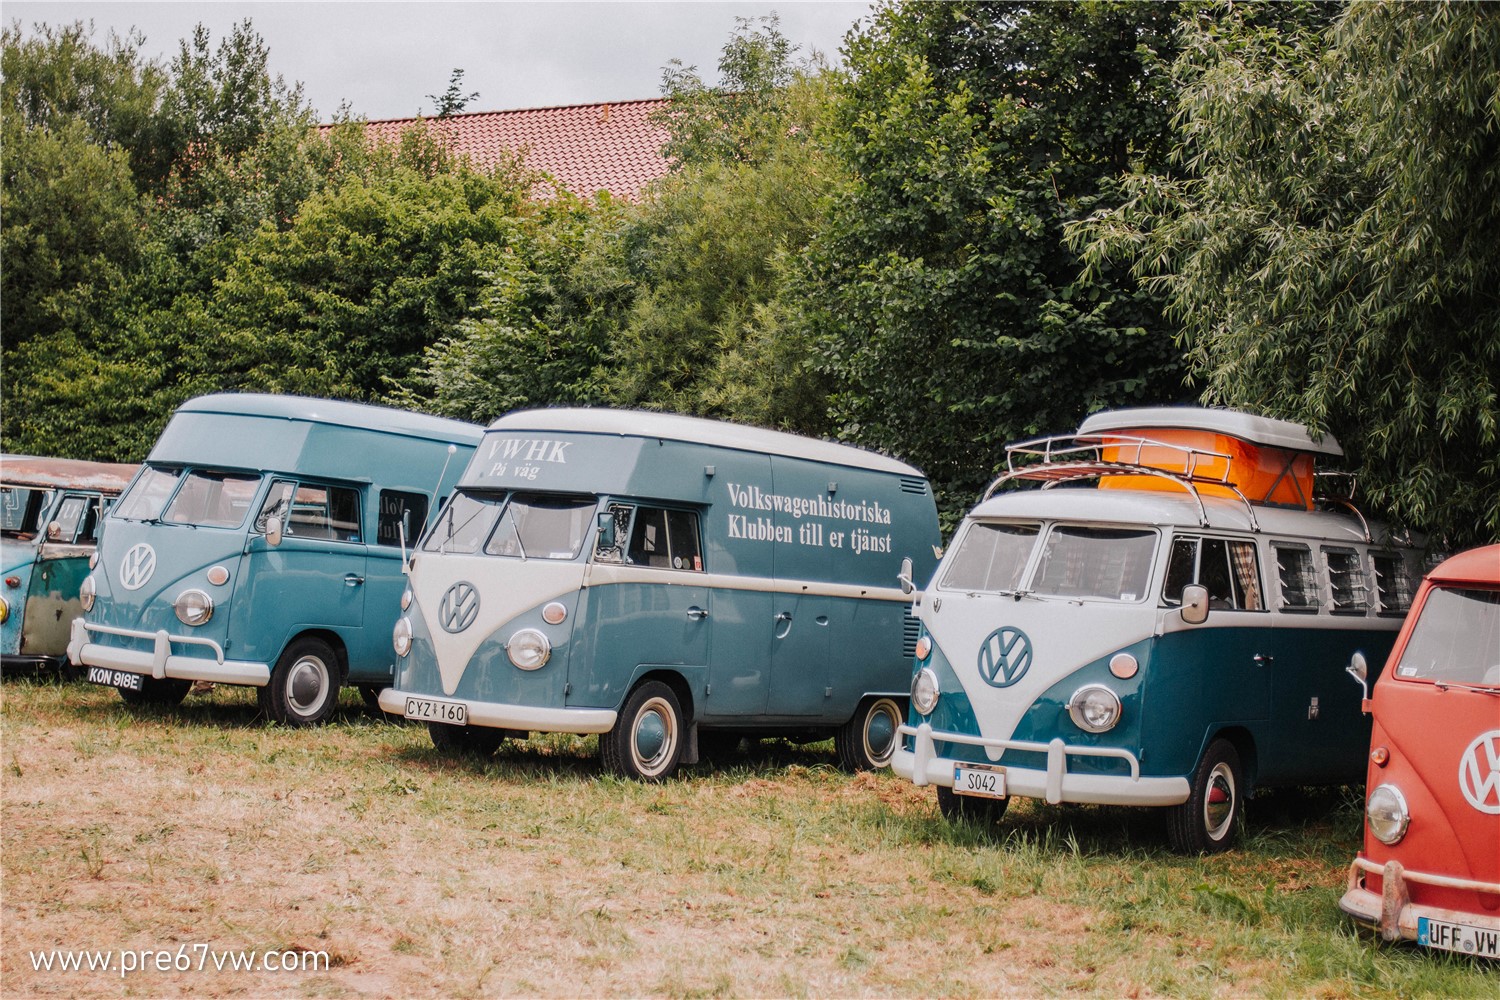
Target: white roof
x,y
696,430
1231,423
1162,508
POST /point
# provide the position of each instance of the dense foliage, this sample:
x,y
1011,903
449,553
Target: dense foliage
x,y
1330,254
993,219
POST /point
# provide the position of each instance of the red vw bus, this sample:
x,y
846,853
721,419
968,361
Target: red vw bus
x,y
1430,868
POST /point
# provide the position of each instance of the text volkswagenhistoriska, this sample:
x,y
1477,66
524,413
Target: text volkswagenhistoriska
x,y
1165,622
665,581
263,544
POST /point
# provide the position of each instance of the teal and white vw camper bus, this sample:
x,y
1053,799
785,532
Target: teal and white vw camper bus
x,y
262,544
50,514
660,579
1174,633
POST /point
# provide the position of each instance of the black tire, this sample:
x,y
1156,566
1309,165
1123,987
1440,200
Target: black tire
x,y
1208,822
164,693
867,741
646,742
304,687
974,809
370,695
472,741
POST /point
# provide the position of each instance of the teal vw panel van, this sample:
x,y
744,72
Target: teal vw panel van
x,y
263,544
1162,619
51,510
662,580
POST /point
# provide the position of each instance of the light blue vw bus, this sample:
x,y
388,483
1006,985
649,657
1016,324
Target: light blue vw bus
x,y
1173,634
263,544
664,581
51,511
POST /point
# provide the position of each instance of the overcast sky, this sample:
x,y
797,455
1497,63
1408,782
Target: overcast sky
x,y
384,59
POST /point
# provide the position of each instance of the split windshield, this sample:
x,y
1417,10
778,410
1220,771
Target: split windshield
x,y
200,498
521,525
1457,639
1077,561
21,510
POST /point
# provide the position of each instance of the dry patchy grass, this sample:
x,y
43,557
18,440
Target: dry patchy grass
x,y
532,874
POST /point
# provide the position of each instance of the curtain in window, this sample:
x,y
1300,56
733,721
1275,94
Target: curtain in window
x,y
1242,556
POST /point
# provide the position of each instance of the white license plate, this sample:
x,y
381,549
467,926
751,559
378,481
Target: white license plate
x,y
453,713
979,779
122,679
1461,938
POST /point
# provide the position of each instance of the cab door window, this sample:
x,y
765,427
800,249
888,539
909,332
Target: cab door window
x,y
665,539
310,510
1228,568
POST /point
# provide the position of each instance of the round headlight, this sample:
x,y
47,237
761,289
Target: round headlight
x,y
4,611
86,592
924,646
1094,708
528,649
924,691
1386,814
406,599
193,607
401,636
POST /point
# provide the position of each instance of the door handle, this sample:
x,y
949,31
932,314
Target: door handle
x,y
1264,659
350,580
697,614
785,616
784,624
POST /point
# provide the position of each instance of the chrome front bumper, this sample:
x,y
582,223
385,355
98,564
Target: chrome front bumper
x,y
1391,911
924,767
159,661
525,718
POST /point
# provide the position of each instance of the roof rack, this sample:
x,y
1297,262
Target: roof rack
x,y
1342,497
1071,457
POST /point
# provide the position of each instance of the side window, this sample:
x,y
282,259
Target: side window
x,y
1346,581
400,514
1230,570
1392,583
1295,577
88,531
69,516
665,539
326,512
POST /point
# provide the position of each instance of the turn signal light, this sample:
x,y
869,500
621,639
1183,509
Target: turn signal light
x,y
1380,755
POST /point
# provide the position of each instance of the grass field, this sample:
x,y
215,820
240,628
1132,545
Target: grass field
x,y
203,832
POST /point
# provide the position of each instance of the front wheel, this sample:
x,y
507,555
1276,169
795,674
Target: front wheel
x,y
304,687
867,741
478,741
164,693
1206,823
976,809
646,742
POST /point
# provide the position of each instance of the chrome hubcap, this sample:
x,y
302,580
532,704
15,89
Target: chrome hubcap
x,y
654,738
1219,802
306,685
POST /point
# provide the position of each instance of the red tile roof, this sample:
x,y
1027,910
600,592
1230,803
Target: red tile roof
x,y
585,148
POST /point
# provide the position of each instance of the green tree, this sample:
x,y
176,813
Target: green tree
x,y
1331,255
453,100
950,312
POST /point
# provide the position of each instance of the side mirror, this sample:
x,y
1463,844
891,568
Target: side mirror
x,y
907,585
273,531
1195,604
1359,669
606,530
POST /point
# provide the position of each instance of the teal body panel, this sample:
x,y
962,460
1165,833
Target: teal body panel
x,y
345,591
1191,686
48,574
19,561
793,553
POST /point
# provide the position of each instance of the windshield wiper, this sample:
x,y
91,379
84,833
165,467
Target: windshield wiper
x,y
1445,685
510,510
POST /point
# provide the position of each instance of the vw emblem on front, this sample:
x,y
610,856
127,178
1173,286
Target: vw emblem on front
x,y
1479,773
1004,657
137,566
459,607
